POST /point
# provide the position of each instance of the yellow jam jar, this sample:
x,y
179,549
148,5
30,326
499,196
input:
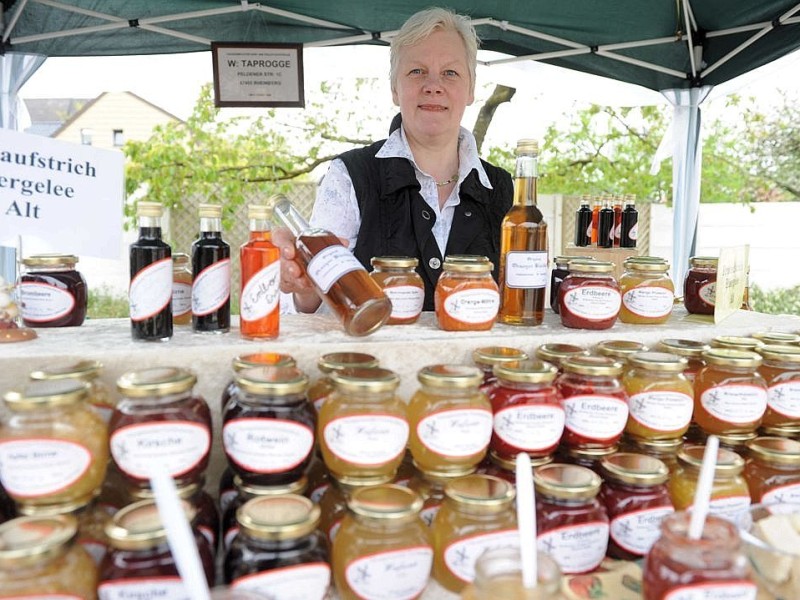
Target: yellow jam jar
x,y
648,293
781,370
100,397
402,284
321,389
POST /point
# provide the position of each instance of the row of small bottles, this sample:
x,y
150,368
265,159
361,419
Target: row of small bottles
x,y
606,224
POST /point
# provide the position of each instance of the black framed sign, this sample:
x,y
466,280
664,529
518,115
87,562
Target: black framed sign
x,y
258,74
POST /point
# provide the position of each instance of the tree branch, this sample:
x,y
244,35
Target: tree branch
x,y
500,94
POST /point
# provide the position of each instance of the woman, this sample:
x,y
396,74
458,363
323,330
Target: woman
x,y
422,192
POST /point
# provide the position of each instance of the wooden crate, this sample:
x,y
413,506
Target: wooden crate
x,y
613,255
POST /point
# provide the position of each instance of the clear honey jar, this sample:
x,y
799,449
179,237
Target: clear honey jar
x,y
322,388
100,397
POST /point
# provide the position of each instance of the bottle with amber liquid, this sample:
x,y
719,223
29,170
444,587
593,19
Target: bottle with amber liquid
x,y
259,303
597,204
583,224
150,291
605,226
523,246
211,274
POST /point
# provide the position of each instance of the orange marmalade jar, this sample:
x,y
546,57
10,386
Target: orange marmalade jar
x,y
403,286
321,389
781,370
466,297
691,350
772,470
647,292
487,357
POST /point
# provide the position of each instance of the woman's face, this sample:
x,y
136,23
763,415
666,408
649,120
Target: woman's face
x,y
433,86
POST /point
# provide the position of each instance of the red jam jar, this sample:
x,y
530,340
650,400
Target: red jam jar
x,y
51,292
589,297
772,470
556,353
528,416
781,370
591,458
507,468
160,420
700,285
636,500
248,361
487,357
571,524
594,401
322,388
691,350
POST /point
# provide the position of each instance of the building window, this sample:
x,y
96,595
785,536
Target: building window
x,y
86,137
119,138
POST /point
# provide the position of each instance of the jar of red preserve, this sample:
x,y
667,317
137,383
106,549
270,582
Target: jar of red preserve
x,y
700,285
589,297
52,292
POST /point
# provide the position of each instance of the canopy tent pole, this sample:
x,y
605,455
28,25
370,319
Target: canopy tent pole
x,y
15,69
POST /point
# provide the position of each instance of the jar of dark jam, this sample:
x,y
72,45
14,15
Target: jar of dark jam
x,y
268,426
700,285
691,350
505,468
279,552
51,292
160,419
321,389
591,458
556,353
781,370
248,361
619,350
559,273
772,470
101,397
636,500
664,450
589,298
487,357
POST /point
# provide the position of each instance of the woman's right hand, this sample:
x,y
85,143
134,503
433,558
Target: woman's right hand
x,y
293,276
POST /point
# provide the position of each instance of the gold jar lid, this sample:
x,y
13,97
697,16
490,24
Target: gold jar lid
x,y
387,501
25,541
634,469
790,354
249,490
527,146
777,337
510,464
729,464
47,394
209,211
489,356
138,526
51,260
662,362
556,352
394,262
450,376
566,482
184,491
778,450
691,348
467,264
75,369
724,357
735,342
157,381
278,517
591,454
736,441
149,209
358,379
661,447
480,493
262,359
180,259
646,266
563,261
592,365
704,262
590,266
259,212
785,431
467,258
334,361
619,349
526,371
272,381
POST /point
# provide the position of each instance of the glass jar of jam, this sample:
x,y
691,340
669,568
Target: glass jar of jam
x,y
571,524
363,428
664,450
249,361
647,292
660,398
730,497
321,389
713,566
279,552
691,350
51,292
700,285
53,447
736,342
40,559
268,426
431,489
318,480
383,549
734,441
498,574
586,457
594,401
402,284
477,514
181,289
557,275
619,350
528,416
333,507
487,357
100,395
507,468
589,298
635,495
730,396
466,296
450,420
159,419
781,370
772,470
556,353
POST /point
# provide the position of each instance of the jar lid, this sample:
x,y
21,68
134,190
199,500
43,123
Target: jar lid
x,y
210,211
278,517
362,379
260,212
48,393
634,469
736,441
777,337
394,262
791,431
50,260
138,526
149,209
729,463
179,259
590,266
619,348
249,490
387,501
662,362
272,381
703,261
480,493
736,342
563,261
510,464
157,381
488,356
75,369
691,348
566,482
261,359
25,541
339,360
450,376
655,265
527,145
526,371
467,264
789,354
725,357
660,447
557,352
591,454
592,365
776,450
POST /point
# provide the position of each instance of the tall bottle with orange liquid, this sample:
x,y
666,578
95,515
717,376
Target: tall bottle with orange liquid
x,y
259,303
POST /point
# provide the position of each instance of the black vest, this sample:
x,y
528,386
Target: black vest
x,y
396,220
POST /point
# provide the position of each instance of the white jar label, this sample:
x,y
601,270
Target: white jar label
x,y
261,293
406,300
181,299
178,446
662,411
330,264
460,556
732,508
150,290
708,293
211,288
576,548
735,403
785,494
593,302
476,305
229,536
35,467
637,531
267,445
784,398
456,433
309,581
595,417
162,588
395,575
526,270
369,439
42,303
530,427
729,590
649,301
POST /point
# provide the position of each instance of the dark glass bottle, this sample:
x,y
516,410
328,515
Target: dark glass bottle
x,y
211,274
583,224
150,292
629,230
605,227
617,220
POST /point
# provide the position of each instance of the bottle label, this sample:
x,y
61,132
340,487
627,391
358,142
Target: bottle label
x,y
181,299
594,302
261,293
150,290
226,498
473,306
650,301
617,231
456,433
42,303
368,439
735,403
178,446
526,270
530,428
595,417
267,445
662,411
729,590
309,581
34,467
589,231
330,265
395,575
406,300
229,536
637,531
787,495
708,293
576,548
461,555
732,508
784,398
211,288
163,588
634,232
